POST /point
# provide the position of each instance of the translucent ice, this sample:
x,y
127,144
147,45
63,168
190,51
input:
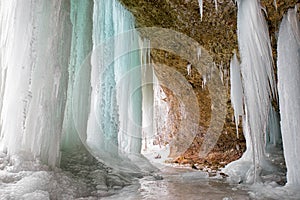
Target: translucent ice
x,y
258,81
201,8
236,91
34,76
288,89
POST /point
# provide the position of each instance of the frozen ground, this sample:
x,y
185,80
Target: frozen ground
x,y
82,177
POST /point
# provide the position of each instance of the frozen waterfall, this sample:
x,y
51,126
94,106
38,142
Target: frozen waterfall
x,y
77,80
115,120
34,76
79,98
81,46
259,87
288,89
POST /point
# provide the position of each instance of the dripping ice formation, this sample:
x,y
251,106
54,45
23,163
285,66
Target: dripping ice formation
x,y
188,69
114,125
288,89
70,94
67,89
236,90
258,83
200,2
81,46
34,86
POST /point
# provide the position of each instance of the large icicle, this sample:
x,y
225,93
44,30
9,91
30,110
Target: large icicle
x,y
258,82
34,76
289,93
236,90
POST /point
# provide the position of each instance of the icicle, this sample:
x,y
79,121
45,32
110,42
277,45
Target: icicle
x,y
216,5
204,81
288,90
221,72
189,68
236,91
201,8
275,4
198,53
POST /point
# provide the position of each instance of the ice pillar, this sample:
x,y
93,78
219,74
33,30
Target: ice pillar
x,y
289,92
34,59
74,127
116,100
258,75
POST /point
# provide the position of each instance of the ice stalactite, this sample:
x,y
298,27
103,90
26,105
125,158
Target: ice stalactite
x,y
258,83
275,4
236,91
200,3
198,53
201,8
216,4
189,69
288,89
258,76
34,76
81,46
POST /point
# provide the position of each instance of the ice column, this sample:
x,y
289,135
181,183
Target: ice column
x,y
34,59
258,75
81,46
289,93
115,119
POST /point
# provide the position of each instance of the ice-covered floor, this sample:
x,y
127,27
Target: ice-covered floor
x,y
22,177
181,184
83,177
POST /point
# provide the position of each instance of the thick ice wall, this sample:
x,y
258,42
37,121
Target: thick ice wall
x,y
34,61
75,124
103,124
116,112
289,93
